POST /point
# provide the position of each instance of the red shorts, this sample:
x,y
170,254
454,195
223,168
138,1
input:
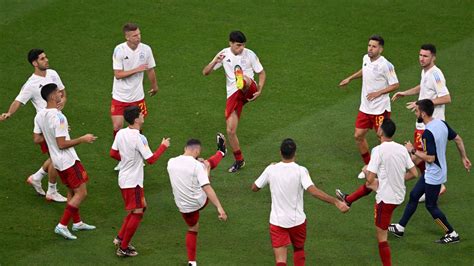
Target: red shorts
x,y
74,176
383,214
192,218
44,147
417,142
134,198
237,100
282,237
364,120
118,107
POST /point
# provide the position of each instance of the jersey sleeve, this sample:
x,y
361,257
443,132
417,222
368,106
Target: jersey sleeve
x,y
306,181
375,161
37,129
390,74
117,59
201,175
262,180
256,65
151,60
25,94
451,133
57,80
440,84
61,128
429,143
142,147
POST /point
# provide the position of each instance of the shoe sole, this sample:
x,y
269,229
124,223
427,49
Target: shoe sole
x,y
65,237
395,234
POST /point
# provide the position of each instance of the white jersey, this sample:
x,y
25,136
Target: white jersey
x,y
432,86
31,90
133,148
130,89
287,184
390,161
187,177
247,60
53,124
376,76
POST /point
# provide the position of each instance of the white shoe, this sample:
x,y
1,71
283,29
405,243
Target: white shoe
x,y
422,199
192,263
117,167
82,226
361,175
64,232
36,185
55,196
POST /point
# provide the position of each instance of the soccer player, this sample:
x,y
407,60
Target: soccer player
x,y
52,126
239,64
435,138
31,91
378,80
131,147
192,190
389,163
130,60
432,86
287,181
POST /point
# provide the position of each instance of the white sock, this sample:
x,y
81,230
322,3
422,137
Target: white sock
x,y
192,263
400,228
39,174
61,226
51,188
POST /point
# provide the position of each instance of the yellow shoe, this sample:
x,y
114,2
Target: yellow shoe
x,y
239,77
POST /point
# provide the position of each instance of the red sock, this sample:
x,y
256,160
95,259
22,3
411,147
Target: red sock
x,y
68,213
215,159
238,155
359,193
366,157
421,166
384,252
132,226
76,217
124,226
191,240
281,264
299,257
115,132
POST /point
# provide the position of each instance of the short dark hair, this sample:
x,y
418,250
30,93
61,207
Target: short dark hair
x,y
129,27
237,36
33,55
193,142
131,113
288,148
377,38
47,89
429,47
426,105
388,127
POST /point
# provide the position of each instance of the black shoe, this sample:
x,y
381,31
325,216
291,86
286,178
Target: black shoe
x,y
448,239
126,252
342,196
392,228
236,166
221,143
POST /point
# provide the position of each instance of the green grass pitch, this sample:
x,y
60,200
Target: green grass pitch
x,y
306,48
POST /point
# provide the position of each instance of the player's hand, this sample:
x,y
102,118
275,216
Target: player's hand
x,y
411,106
373,95
219,58
342,206
141,68
60,105
166,142
467,164
255,95
344,82
221,214
397,96
4,116
408,146
88,138
153,91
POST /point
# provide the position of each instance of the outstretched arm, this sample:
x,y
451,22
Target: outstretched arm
x,y
64,144
319,194
13,108
211,195
346,81
412,91
210,67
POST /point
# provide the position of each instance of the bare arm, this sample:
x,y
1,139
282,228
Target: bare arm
x,y
346,81
152,78
255,188
64,144
319,194
381,92
412,173
120,74
413,91
38,138
13,108
211,195
262,76
63,100
442,100
210,67
460,145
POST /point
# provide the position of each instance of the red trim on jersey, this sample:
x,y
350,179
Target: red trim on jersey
x,y
157,154
115,154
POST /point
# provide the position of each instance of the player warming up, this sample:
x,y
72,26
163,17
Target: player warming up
x,y
52,126
31,91
130,147
288,181
130,60
435,138
192,190
239,64
386,174
378,80
432,86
